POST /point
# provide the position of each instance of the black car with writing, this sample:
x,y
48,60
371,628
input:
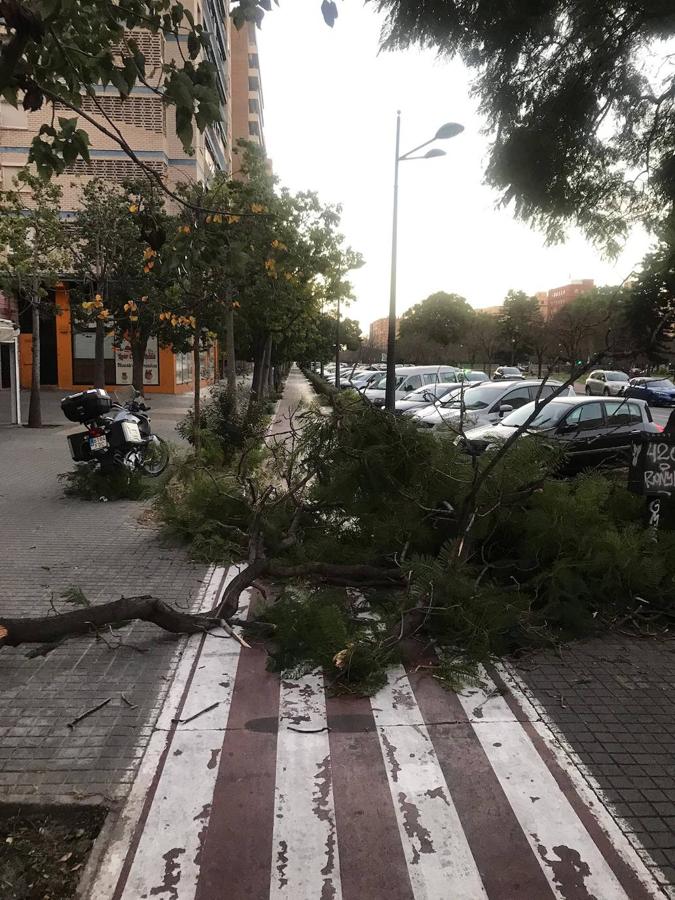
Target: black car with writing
x,y
591,431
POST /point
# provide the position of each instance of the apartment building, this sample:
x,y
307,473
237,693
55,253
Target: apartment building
x,y
379,332
247,96
148,126
552,301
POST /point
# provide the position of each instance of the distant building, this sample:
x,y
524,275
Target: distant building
x,y
491,310
247,95
379,331
551,302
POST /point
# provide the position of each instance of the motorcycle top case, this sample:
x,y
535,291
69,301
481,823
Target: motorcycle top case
x,y
87,405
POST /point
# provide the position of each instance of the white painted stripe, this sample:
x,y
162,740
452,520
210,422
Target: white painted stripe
x,y
305,862
170,846
562,846
583,781
440,863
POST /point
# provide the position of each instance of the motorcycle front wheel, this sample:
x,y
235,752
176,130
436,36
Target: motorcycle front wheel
x,y
154,457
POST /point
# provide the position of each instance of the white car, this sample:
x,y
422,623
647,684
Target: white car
x,y
485,404
606,382
408,379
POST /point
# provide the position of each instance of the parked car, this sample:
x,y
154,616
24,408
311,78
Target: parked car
x,y
425,396
507,373
592,432
655,391
408,379
473,375
606,382
361,381
485,404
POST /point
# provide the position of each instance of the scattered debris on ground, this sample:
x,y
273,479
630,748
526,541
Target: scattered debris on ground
x,y
43,850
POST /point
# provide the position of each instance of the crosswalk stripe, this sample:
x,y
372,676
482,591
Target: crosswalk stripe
x,y
305,860
503,856
570,860
440,862
167,856
372,862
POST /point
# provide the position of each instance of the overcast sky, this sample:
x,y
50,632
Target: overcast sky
x,y
330,112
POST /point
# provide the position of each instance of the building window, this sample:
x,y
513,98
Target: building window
x,y
253,61
253,84
254,129
253,106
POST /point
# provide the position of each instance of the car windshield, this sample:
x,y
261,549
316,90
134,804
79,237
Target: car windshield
x,y
616,376
381,385
480,397
549,416
429,390
663,384
476,376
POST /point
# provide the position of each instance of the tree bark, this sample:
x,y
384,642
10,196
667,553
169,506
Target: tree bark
x,y
197,376
99,354
264,386
231,361
258,365
35,405
138,347
88,619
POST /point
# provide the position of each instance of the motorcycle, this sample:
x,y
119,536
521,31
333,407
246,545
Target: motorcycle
x,y
118,435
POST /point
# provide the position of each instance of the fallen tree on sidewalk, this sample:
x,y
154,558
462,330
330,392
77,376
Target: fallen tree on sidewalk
x,y
483,554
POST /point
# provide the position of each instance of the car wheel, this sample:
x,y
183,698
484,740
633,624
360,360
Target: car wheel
x,y
588,391
605,393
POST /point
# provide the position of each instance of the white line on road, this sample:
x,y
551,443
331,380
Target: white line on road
x,y
564,849
305,862
440,862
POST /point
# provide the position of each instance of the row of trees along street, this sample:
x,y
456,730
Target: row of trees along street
x,y
632,322
240,261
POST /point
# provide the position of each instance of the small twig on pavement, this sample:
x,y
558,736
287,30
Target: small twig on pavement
x,y
88,712
128,702
196,715
309,730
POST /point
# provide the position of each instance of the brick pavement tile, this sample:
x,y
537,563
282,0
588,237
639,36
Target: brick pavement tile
x,y
620,720
53,543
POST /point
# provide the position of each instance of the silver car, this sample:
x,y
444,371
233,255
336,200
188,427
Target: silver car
x,y
606,382
485,404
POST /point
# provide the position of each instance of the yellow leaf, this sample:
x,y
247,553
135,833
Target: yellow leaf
x,y
232,220
133,208
218,218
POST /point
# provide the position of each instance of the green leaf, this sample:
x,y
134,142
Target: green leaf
x,y
194,45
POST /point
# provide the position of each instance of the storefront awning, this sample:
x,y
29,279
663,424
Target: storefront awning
x,y
8,331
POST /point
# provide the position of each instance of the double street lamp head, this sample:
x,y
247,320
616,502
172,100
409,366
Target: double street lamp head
x,y
449,130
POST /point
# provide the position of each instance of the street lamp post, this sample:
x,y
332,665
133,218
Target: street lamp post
x,y
449,130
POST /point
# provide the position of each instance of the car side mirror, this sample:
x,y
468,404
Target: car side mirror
x,y
504,409
568,429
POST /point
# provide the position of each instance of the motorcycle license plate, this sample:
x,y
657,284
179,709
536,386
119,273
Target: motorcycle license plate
x,y
98,443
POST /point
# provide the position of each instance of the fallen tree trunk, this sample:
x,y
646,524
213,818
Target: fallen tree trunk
x,y
87,620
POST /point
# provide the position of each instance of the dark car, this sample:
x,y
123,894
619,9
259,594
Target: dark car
x,y
592,431
473,375
654,391
507,373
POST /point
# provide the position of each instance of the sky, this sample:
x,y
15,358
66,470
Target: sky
x,y
330,117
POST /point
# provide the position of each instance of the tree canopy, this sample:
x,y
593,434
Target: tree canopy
x,y
578,95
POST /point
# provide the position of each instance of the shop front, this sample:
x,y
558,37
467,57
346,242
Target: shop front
x,y
71,359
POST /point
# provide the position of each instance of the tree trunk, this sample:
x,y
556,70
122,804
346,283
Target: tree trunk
x,y
35,407
197,376
264,378
99,355
87,619
231,361
258,364
138,347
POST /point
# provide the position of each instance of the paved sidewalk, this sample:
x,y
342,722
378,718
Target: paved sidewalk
x,y
50,543
611,700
